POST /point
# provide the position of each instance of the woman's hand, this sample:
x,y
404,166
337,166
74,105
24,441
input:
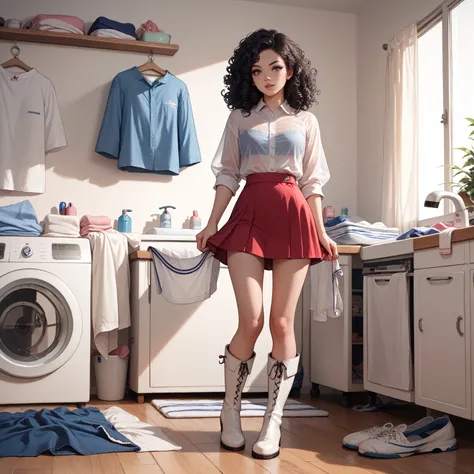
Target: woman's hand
x,y
205,233
330,247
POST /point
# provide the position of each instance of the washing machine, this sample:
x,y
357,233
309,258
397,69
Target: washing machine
x,y
45,320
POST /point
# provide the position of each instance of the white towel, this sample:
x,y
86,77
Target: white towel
x,y
185,276
388,338
56,225
110,286
326,297
147,437
445,241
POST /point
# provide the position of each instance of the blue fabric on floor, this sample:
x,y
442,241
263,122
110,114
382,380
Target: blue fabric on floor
x,y
59,432
19,219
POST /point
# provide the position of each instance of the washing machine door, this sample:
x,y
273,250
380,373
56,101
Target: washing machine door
x,y
40,323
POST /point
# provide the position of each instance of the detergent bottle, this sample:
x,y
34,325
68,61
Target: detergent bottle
x,y
125,221
165,218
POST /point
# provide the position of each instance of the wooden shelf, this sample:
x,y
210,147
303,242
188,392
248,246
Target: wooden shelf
x,y
84,41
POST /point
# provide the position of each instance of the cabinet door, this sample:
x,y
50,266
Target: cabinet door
x,y
186,340
330,342
442,342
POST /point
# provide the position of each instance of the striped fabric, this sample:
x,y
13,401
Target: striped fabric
x,y
212,408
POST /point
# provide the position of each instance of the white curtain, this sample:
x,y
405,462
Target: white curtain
x,y
400,155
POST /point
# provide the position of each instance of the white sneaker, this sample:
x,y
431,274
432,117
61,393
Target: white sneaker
x,y
401,442
353,440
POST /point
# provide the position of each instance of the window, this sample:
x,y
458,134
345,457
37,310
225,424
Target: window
x,y
446,97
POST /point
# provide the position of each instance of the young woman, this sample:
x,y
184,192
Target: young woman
x,y
272,142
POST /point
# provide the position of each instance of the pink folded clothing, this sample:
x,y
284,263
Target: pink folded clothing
x,y
148,26
86,230
72,20
95,220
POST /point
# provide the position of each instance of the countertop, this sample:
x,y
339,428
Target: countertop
x,y
432,241
342,249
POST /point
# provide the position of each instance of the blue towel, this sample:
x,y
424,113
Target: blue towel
x,y
59,432
19,219
418,232
103,23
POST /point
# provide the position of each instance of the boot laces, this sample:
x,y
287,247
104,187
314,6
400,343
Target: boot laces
x,y
276,374
243,372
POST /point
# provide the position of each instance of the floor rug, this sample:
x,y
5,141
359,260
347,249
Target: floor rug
x,y
212,408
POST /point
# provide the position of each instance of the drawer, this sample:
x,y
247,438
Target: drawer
x,y
431,258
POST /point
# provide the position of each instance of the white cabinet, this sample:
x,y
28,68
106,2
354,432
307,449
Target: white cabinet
x,y
176,348
335,358
388,362
186,340
442,339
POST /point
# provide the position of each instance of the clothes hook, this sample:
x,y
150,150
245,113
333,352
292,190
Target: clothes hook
x,y
151,56
15,50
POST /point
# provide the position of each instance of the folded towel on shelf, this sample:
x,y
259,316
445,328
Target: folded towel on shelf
x,y
325,299
57,26
106,23
88,229
109,33
95,220
56,225
19,219
74,21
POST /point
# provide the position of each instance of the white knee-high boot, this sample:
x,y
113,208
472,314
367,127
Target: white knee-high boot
x,y
236,373
281,375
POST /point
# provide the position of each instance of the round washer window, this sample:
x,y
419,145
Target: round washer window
x,y
35,322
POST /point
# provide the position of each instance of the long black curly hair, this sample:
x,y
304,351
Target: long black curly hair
x,y
241,93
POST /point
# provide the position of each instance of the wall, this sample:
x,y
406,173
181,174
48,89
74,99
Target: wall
x,y
207,32
376,25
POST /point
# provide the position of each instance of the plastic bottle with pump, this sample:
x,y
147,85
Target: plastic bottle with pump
x,y
195,221
125,221
70,210
165,217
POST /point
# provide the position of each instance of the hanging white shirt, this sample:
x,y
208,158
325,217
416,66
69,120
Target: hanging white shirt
x,y
30,128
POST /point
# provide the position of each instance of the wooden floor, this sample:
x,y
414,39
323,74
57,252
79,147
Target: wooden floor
x,y
309,446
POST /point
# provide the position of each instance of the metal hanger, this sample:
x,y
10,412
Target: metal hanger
x,y
151,68
15,61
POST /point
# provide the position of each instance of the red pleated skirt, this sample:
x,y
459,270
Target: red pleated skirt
x,y
272,220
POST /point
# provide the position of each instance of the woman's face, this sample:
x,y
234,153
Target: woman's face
x,y
270,73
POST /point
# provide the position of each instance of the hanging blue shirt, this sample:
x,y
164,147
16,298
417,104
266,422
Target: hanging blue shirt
x,y
149,127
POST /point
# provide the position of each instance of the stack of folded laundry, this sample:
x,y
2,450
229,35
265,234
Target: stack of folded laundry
x,y
346,230
19,219
58,24
56,225
94,224
107,28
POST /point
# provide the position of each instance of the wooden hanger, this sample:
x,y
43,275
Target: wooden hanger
x,y
15,61
151,68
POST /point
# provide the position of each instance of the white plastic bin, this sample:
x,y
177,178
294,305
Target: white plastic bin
x,y
110,376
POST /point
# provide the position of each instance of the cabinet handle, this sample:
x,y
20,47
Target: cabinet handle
x,y
420,324
439,278
458,325
382,280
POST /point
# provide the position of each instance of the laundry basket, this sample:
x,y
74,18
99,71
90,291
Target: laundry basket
x,y
110,376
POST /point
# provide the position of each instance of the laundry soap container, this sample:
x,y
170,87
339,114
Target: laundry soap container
x,y
111,375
